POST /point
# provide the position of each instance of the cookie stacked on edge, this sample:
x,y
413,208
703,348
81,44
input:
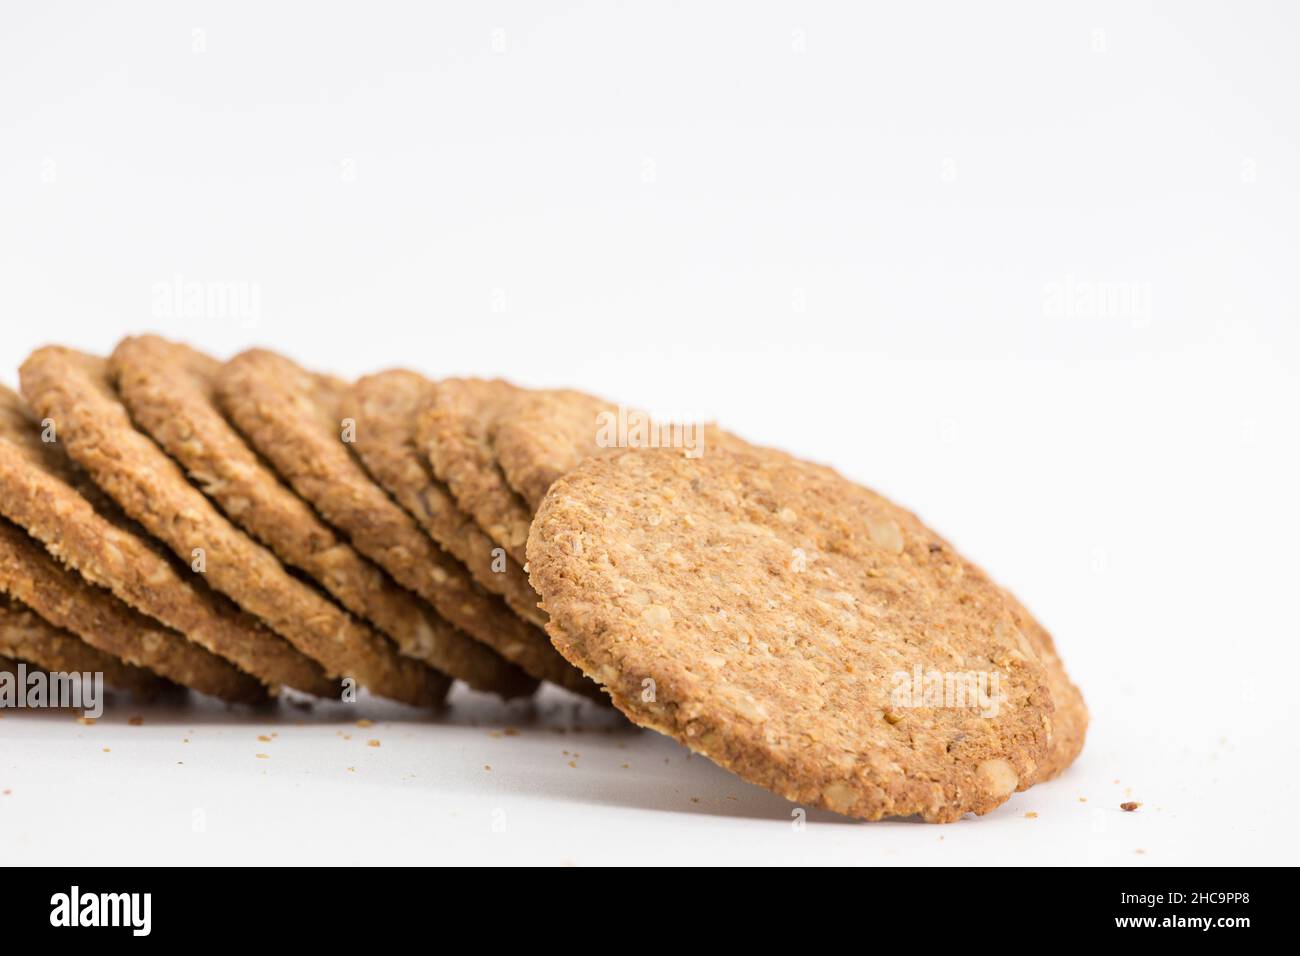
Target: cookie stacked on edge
x,y
234,528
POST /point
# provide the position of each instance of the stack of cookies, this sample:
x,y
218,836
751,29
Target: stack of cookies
x,y
238,527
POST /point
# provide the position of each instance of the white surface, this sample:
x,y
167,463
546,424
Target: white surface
x,y
838,230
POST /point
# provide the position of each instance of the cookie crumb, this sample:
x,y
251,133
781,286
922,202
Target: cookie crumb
x,y
1031,815
365,723
372,743
136,721
1130,805
265,739
262,756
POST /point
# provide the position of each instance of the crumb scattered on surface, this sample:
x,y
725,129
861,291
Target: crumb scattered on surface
x,y
263,756
1083,799
106,750
627,766
365,723
264,738
1031,815
86,721
511,732
573,764
1140,852
1130,805
372,743
487,767
136,721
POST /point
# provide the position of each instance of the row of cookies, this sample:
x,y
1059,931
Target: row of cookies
x,y
789,624
758,608
213,524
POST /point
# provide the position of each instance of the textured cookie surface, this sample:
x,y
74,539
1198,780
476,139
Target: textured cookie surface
x,y
384,407
1070,717
773,616
292,418
72,390
455,433
540,435
169,390
67,601
42,492
389,405
543,434
26,636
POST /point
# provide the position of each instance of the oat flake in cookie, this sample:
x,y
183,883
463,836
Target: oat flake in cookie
x,y
769,614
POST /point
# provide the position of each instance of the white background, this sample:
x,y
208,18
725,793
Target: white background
x,y
1030,269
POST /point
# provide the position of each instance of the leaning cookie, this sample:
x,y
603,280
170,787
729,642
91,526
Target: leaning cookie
x,y
542,434
67,601
168,389
27,637
1069,722
40,491
384,408
72,390
290,417
388,406
793,627
454,432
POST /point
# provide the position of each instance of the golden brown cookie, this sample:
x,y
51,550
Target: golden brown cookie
x,y
543,434
391,402
540,435
793,627
455,432
27,637
169,390
291,418
1069,723
40,491
63,598
384,407
93,427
